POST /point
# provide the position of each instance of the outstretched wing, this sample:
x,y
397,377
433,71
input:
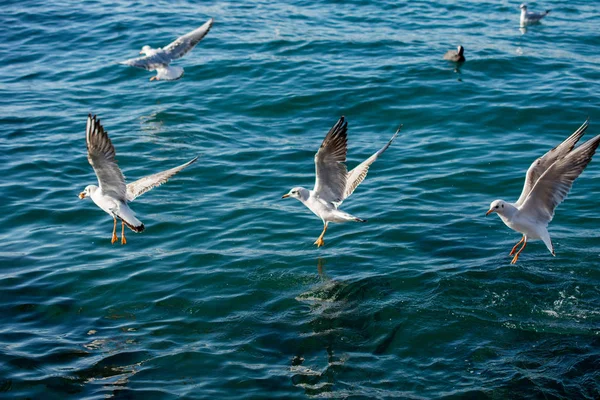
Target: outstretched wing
x,y
187,42
540,165
158,60
101,155
331,172
554,184
141,186
359,173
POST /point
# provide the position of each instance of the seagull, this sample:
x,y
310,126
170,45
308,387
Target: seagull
x,y
159,59
455,56
111,194
333,183
528,17
548,181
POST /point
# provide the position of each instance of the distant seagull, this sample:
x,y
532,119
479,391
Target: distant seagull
x,y
455,56
112,195
159,59
528,17
334,183
548,181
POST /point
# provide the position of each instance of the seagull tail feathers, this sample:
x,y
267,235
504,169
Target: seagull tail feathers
x,y
129,219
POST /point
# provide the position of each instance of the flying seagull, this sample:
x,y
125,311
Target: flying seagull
x,y
333,183
159,59
455,56
548,181
111,194
530,17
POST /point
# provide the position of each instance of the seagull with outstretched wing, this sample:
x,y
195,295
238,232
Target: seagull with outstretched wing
x,y
159,59
112,194
333,182
548,181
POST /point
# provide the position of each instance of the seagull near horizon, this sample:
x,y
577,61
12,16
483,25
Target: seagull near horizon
x,y
333,182
455,56
548,181
112,194
159,59
530,17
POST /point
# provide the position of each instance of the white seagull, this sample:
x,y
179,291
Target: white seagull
x,y
111,194
529,17
333,183
159,59
548,181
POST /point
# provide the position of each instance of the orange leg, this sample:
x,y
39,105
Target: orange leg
x,y
320,242
516,245
514,260
123,240
114,236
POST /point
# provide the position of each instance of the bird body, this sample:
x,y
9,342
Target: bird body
x,y
159,59
455,56
112,194
530,17
333,182
549,179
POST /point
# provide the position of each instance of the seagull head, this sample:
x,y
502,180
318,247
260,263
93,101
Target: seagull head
x,y
88,191
497,206
523,6
298,193
461,50
145,49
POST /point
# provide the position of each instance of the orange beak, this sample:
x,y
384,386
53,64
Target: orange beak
x,y
285,196
82,195
489,212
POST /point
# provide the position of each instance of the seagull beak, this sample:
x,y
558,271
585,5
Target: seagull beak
x,y
82,195
489,212
141,52
285,196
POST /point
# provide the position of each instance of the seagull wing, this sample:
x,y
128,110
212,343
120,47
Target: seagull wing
x,y
539,166
554,184
141,186
331,172
359,173
158,60
187,42
101,155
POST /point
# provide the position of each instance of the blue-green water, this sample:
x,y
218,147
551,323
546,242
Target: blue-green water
x,y
224,294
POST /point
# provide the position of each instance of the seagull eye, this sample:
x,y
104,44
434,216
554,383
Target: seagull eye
x,y
502,205
496,206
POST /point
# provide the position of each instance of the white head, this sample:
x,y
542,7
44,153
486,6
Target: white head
x,y
461,50
145,49
523,7
88,191
298,193
499,207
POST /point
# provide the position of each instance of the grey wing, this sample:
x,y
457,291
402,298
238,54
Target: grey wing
x,y
101,155
554,184
141,186
150,63
331,172
540,165
359,173
187,42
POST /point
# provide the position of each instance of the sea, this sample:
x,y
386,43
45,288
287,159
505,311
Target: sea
x,y
224,295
